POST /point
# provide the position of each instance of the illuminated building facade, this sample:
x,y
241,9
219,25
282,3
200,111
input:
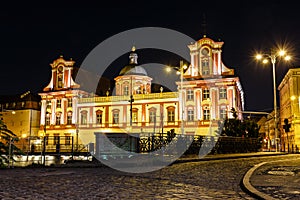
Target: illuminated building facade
x,y
205,95
290,110
21,114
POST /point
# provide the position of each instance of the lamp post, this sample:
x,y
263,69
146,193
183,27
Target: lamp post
x,y
180,70
273,58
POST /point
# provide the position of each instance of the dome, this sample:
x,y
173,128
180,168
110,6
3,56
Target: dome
x,y
133,70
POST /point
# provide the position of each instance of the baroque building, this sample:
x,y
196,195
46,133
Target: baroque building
x,y
207,91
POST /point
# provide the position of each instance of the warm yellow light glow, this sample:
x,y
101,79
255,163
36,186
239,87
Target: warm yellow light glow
x,y
184,66
24,135
287,58
293,98
178,72
258,56
13,112
265,61
281,53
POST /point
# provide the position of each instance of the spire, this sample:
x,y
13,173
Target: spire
x,y
133,56
204,25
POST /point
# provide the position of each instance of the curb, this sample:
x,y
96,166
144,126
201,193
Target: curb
x,y
225,157
249,187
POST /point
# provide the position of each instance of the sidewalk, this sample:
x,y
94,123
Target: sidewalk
x,y
278,179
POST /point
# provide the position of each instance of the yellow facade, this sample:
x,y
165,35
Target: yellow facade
x,y
289,90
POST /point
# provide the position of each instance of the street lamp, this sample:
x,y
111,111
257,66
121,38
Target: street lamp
x,y
273,58
180,71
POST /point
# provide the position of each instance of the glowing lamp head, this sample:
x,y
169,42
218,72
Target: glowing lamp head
x,y
184,66
265,61
287,58
281,53
258,56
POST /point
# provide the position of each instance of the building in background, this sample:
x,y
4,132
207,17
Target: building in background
x,y
21,114
289,92
206,93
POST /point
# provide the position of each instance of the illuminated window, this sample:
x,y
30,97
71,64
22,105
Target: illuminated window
x,y
126,90
205,66
223,113
23,104
115,119
58,103
134,115
190,115
171,114
58,118
138,90
83,117
69,118
59,81
48,119
223,93
152,115
70,103
205,93
98,117
190,95
48,102
206,113
67,140
56,139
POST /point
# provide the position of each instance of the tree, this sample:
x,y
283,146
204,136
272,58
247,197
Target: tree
x,y
238,128
7,147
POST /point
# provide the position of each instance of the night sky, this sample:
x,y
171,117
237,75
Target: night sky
x,y
33,35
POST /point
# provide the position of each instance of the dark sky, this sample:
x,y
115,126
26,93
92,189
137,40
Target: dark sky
x,y
33,35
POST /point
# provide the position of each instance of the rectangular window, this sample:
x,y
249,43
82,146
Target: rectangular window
x,y
48,119
205,94
58,117
190,115
70,103
69,118
48,102
223,113
205,66
56,140
171,115
152,116
190,95
115,117
126,90
223,93
67,140
58,103
134,116
206,114
83,116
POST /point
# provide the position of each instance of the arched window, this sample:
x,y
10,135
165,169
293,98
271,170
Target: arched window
x,y
115,115
83,117
99,116
152,115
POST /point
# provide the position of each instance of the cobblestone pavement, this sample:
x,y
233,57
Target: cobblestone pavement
x,y
215,179
279,179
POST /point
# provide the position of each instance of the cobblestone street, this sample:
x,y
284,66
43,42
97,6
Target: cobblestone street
x,y
215,179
